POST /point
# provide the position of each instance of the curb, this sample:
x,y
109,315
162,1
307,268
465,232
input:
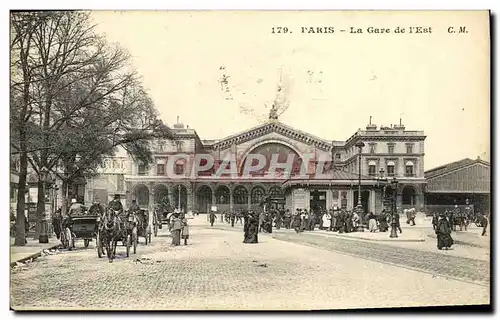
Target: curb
x,y
382,240
464,243
32,256
334,234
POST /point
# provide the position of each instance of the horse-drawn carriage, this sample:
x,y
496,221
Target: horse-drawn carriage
x,y
79,226
116,226
85,227
143,228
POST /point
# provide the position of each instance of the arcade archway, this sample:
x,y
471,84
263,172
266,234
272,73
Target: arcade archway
x,y
181,191
408,196
141,195
204,199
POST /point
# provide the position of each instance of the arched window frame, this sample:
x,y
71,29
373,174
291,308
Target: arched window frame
x,y
240,195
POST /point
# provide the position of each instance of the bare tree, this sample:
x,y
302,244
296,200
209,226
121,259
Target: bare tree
x,y
21,100
82,98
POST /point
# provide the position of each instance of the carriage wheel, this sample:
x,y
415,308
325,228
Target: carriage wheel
x,y
98,245
86,243
134,239
70,242
129,240
63,240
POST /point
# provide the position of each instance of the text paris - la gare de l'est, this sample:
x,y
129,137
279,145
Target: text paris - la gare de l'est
x,y
355,30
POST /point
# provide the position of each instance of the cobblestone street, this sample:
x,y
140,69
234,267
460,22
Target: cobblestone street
x,y
217,271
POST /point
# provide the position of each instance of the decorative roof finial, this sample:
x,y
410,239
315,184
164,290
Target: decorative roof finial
x,y
273,113
370,120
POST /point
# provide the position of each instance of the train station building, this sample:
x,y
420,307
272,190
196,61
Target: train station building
x,y
387,153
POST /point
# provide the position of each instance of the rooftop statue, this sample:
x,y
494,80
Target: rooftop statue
x,y
273,113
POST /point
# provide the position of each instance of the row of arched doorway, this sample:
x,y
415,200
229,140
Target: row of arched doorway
x,y
206,197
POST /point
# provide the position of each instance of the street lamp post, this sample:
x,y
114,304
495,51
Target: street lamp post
x,y
359,207
382,178
394,233
179,200
43,237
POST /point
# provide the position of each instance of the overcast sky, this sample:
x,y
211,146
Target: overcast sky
x,y
436,82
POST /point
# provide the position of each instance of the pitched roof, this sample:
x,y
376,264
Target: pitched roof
x,y
274,126
452,166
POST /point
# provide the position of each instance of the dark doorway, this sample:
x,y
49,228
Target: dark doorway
x,y
365,197
317,201
277,198
204,199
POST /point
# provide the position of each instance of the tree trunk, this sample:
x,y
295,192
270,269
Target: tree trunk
x,y
40,207
64,200
21,194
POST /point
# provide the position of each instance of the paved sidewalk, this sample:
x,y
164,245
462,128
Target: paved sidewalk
x,y
31,250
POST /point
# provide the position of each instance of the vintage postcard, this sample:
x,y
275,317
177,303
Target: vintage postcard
x,y
249,160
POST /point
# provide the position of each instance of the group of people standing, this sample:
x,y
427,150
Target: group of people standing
x,y
179,228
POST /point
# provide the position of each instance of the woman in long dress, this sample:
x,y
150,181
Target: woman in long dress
x,y
251,228
382,221
185,231
327,220
372,222
443,232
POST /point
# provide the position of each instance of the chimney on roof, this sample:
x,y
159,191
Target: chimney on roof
x,y
370,126
178,125
400,126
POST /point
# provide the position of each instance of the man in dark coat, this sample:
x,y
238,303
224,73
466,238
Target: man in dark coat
x,y
484,222
212,217
340,221
232,217
134,207
116,204
348,221
435,218
268,223
278,220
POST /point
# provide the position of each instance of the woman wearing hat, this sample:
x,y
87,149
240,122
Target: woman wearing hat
x,y
175,229
443,232
185,230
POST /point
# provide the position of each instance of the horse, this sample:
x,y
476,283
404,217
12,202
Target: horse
x,y
410,216
110,232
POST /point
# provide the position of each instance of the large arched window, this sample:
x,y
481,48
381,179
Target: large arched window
x,y
275,191
222,195
277,151
372,168
258,195
391,168
240,195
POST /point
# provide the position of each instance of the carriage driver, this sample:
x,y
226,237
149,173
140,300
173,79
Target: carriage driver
x,y
96,209
115,204
134,207
75,209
